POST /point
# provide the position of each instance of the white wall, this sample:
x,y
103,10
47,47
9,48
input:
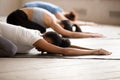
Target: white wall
x,y
101,11
7,6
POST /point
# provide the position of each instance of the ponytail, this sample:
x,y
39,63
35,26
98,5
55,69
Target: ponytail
x,y
77,28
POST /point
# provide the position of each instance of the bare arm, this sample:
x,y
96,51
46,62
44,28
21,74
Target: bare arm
x,y
45,46
84,23
70,34
78,47
52,22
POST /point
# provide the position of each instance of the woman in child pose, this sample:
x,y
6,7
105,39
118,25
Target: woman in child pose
x,y
40,19
27,39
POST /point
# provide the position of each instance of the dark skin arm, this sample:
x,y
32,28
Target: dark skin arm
x,y
48,47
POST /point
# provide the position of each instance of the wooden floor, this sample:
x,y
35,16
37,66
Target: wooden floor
x,y
63,69
58,69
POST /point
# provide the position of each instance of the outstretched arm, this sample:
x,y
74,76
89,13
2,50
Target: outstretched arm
x,y
78,47
52,22
47,47
84,23
55,26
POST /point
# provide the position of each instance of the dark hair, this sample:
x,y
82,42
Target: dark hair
x,y
77,28
57,39
66,24
65,42
72,15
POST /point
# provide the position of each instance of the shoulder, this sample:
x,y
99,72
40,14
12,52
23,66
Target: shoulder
x,y
28,36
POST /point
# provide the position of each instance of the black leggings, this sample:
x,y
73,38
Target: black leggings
x,y
19,17
7,48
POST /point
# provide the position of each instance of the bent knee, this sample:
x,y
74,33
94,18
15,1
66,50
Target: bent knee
x,y
11,51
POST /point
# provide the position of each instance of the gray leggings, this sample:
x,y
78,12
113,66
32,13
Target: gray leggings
x,y
7,48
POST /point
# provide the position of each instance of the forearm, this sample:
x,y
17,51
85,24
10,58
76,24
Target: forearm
x,y
83,23
78,47
78,52
85,35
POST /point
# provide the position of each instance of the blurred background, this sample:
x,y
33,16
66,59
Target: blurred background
x,y
100,11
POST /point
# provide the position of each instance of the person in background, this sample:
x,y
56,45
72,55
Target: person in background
x,y
40,19
54,9
27,39
58,12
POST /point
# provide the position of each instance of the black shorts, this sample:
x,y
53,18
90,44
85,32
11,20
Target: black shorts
x,y
19,17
